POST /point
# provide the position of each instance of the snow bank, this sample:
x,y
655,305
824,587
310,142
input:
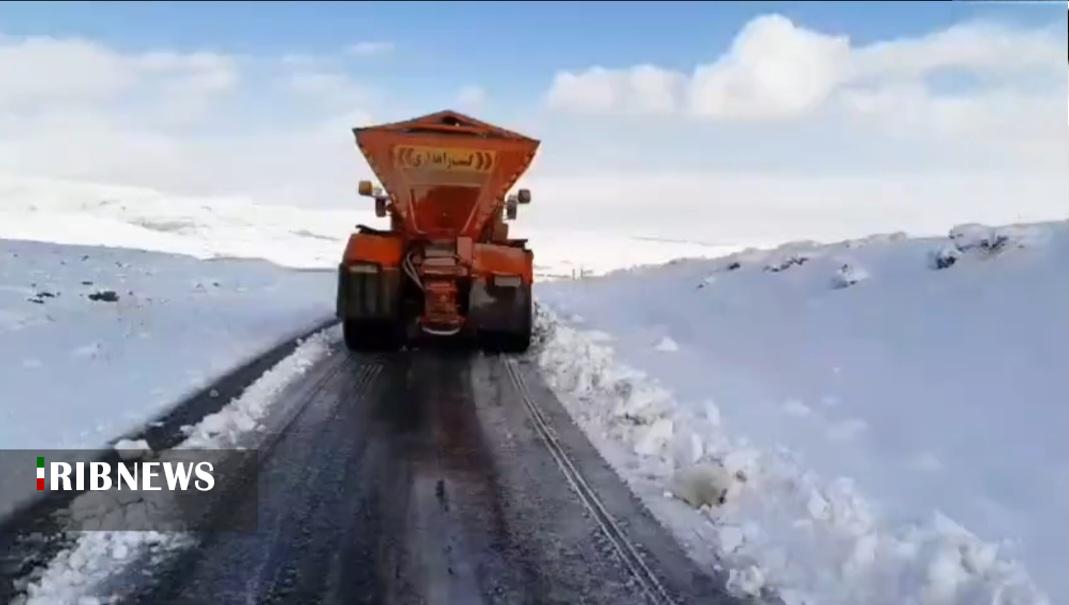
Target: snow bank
x,y
898,437
74,575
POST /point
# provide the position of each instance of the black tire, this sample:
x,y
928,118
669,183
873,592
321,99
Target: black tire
x,y
513,341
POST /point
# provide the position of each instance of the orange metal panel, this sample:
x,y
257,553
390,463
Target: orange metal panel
x,y
465,250
503,260
446,173
381,249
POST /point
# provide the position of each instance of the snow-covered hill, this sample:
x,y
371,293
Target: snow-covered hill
x,y
888,416
72,212
96,341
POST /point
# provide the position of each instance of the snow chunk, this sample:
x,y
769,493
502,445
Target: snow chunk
x,y
746,582
848,274
730,538
943,257
654,439
129,449
704,484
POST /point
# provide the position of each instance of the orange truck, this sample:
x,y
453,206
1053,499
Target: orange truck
x,y
446,267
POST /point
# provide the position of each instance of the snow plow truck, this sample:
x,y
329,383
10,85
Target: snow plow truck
x,y
446,267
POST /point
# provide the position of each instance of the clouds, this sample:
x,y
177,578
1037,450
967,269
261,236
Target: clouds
x,y
776,70
812,124
643,89
49,70
331,89
190,122
986,49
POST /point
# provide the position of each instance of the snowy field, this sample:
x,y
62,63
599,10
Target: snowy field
x,y
72,212
884,419
79,368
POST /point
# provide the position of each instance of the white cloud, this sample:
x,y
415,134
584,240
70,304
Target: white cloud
x,y
471,96
76,69
370,48
639,89
775,69
985,49
278,128
329,90
190,122
44,70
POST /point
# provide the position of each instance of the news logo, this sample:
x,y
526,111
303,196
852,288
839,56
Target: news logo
x,y
96,476
160,490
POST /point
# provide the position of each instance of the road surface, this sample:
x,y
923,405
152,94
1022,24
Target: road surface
x,y
431,477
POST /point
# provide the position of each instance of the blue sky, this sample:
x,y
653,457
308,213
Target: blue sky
x,y
803,105
664,32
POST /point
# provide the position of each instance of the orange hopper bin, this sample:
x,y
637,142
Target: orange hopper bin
x,y
445,173
446,265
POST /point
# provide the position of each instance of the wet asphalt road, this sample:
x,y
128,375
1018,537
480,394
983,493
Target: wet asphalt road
x,y
421,477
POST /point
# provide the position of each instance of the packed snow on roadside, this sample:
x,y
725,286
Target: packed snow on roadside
x,y
78,573
863,422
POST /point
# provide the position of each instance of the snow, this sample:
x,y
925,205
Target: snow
x,y
705,484
78,571
849,274
226,428
73,212
78,373
900,437
880,417
132,449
